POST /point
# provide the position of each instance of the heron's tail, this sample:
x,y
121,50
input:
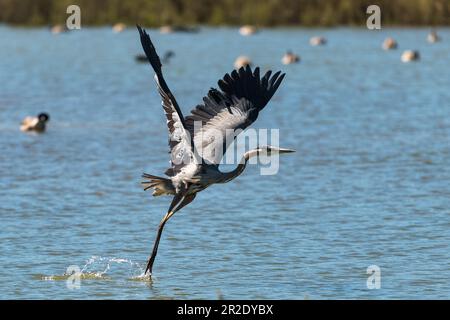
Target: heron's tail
x,y
161,186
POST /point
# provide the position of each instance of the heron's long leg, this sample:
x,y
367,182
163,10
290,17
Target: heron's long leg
x,y
186,200
179,200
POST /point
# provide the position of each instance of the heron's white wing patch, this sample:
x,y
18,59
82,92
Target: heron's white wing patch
x,y
179,139
213,138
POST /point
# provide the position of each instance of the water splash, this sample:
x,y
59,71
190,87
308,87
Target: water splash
x,y
106,268
103,266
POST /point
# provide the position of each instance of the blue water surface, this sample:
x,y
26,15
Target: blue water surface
x,y
368,185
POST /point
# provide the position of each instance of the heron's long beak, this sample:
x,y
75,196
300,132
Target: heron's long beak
x,y
283,150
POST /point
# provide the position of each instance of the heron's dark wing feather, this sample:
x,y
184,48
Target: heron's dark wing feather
x,y
179,138
242,96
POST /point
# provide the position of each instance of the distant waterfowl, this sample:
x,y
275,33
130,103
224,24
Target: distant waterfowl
x,y
171,29
389,44
119,27
167,56
317,41
410,55
36,124
57,29
166,29
165,59
290,58
242,61
433,37
228,110
247,30
140,58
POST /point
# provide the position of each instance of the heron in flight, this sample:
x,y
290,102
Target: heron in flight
x,y
243,94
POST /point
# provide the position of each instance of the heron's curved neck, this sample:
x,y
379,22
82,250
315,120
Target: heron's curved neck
x,y
228,176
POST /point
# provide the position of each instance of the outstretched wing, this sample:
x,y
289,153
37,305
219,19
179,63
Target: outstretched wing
x,y
179,139
243,95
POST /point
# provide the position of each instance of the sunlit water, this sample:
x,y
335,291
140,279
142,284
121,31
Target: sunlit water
x,y
369,184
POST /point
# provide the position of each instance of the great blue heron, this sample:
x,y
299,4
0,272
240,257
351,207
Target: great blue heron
x,y
243,95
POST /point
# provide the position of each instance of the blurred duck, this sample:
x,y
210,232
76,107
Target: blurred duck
x,y
36,124
167,56
242,61
433,37
165,59
317,41
410,55
140,58
247,30
389,44
290,58
119,27
58,28
166,29
171,29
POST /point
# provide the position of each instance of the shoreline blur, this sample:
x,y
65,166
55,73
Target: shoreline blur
x,y
155,13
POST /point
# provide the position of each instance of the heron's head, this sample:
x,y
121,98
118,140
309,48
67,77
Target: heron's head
x,y
271,150
43,117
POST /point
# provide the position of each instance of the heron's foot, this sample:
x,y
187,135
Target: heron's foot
x,y
148,276
148,269
144,277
